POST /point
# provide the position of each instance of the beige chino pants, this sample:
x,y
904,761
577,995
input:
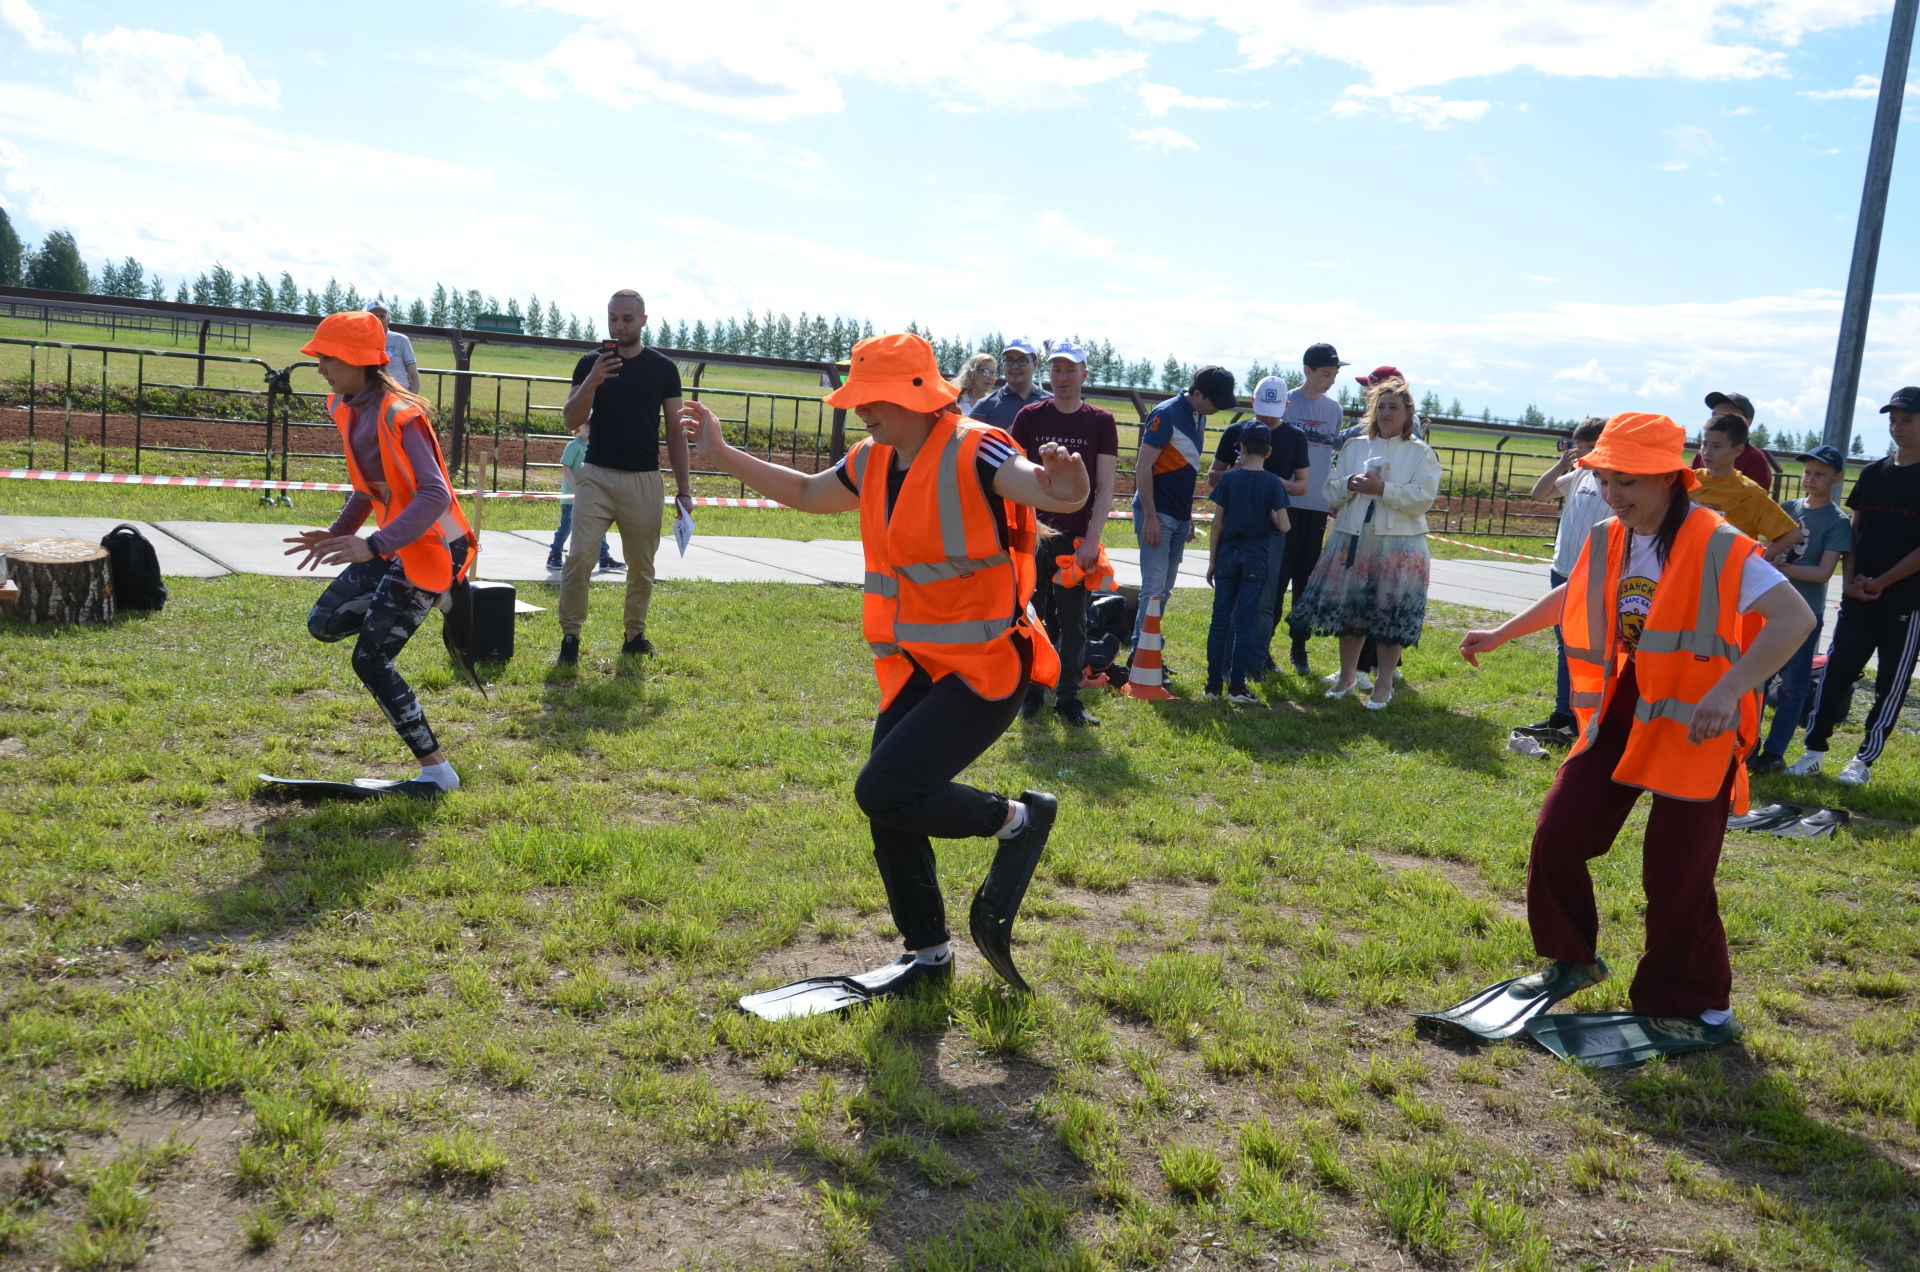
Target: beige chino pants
x,y
634,503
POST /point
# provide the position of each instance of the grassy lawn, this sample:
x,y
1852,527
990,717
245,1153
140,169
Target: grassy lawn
x,y
496,1031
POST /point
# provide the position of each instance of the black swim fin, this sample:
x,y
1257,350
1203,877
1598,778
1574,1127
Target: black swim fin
x,y
1503,1010
1816,825
1767,818
990,921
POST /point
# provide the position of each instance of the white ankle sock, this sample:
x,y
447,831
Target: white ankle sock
x,y
1715,1017
935,954
1016,820
441,775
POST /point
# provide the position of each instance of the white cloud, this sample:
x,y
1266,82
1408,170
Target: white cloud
x,y
155,69
1158,99
1425,110
1863,87
1672,165
20,23
1732,111
1588,372
780,61
1485,170
1163,139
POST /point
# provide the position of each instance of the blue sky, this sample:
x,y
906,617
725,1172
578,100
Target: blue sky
x,y
1595,206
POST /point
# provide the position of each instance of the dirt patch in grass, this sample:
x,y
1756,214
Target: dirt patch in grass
x,y
1461,875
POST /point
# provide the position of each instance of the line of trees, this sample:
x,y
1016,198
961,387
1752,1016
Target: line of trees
x,y
58,266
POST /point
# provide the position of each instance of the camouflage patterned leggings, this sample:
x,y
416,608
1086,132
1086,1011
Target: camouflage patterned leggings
x,y
374,599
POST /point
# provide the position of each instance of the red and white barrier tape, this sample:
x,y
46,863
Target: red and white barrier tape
x,y
1518,556
242,483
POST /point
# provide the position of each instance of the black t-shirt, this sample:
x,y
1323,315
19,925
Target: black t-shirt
x,y
626,410
1289,448
1886,499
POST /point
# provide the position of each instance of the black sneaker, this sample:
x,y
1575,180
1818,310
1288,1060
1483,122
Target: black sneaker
x,y
637,647
608,565
1553,724
1764,762
554,562
1031,704
1074,713
569,652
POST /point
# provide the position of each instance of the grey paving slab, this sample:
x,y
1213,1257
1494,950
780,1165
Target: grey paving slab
x,y
822,560
175,557
704,561
246,548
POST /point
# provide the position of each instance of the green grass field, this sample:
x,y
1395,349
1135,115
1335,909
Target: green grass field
x,y
495,1031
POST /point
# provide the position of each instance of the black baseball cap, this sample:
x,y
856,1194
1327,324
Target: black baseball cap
x,y
1828,455
1216,383
1907,399
1739,401
1321,355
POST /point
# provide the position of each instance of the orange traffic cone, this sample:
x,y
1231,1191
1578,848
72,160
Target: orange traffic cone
x,y
1145,679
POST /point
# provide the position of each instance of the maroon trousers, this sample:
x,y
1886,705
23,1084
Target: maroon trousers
x,y
1685,969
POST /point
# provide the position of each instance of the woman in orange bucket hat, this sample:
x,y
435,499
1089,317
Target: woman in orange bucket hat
x,y
1672,621
946,519
395,575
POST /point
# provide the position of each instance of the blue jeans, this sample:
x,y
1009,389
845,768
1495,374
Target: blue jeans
x,y
1158,566
1236,637
1270,603
1562,681
566,527
1790,696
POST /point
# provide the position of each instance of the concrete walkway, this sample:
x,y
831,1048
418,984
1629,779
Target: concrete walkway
x,y
208,549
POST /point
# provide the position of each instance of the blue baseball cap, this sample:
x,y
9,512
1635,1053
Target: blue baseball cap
x,y
379,306
1828,455
1066,349
1020,344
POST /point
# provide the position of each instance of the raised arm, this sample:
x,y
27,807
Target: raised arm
x,y
809,492
1058,483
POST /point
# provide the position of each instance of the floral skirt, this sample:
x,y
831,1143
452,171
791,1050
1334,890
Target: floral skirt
x,y
1368,585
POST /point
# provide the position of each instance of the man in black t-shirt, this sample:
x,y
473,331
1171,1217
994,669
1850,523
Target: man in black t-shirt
x,y
1880,604
623,392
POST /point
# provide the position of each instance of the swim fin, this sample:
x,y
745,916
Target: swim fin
x,y
818,995
1621,1039
990,921
1816,825
1767,818
1503,1010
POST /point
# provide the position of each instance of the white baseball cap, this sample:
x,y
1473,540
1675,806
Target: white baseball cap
x,y
1068,350
1270,397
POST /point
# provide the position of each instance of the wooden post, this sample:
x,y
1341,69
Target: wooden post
x,y
200,364
61,581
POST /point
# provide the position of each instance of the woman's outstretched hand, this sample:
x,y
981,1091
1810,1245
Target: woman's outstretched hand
x,y
704,437
1063,475
1473,644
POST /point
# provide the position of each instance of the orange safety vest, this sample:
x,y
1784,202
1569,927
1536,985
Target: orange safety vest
x,y
427,561
940,587
1693,634
1098,579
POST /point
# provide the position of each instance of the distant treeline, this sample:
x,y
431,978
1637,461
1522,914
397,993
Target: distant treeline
x,y
57,265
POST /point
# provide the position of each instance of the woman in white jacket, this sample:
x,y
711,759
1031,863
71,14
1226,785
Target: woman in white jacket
x,y
1371,582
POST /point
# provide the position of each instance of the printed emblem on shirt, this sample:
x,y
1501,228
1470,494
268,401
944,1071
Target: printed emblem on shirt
x,y
1636,598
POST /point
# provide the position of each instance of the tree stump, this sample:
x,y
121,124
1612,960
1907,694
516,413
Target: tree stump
x,y
61,581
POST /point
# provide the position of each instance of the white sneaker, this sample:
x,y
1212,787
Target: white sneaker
x,y
1807,765
1856,773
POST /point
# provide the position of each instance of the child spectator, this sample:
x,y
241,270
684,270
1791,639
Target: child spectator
x,y
1164,475
1582,508
1737,497
1289,462
1880,602
1808,568
1252,520
570,460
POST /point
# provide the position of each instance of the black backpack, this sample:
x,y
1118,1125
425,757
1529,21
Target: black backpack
x,y
137,583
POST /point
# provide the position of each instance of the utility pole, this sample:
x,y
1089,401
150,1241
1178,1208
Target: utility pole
x,y
1866,237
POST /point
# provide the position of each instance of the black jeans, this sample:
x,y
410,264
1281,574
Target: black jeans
x,y
1303,553
1861,633
1063,612
921,742
374,600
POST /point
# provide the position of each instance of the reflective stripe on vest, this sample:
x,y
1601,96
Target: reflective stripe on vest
x,y
935,571
953,522
1597,598
858,462
1664,709
970,632
884,586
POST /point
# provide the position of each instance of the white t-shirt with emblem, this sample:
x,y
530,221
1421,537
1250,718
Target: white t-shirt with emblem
x,y
1642,573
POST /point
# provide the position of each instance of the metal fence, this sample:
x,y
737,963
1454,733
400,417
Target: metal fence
x,y
174,327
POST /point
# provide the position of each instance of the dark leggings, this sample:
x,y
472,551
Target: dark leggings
x,y
931,732
374,599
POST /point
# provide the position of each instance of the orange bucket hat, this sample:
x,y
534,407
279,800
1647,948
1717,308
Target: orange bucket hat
x,y
1642,444
898,368
355,337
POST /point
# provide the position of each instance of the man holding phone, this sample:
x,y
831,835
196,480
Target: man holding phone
x,y
622,390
